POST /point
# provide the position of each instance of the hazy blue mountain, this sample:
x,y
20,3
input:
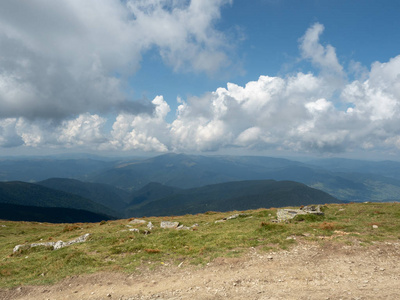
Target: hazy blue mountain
x,y
384,168
37,169
240,195
29,194
346,179
104,194
12,212
187,171
151,192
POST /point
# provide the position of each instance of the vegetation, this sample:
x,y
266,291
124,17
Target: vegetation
x,y
112,247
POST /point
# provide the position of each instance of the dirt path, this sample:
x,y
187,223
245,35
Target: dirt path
x,y
308,271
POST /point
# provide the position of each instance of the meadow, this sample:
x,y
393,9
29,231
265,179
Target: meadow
x,y
113,247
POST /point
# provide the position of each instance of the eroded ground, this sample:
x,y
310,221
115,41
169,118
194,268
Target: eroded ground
x,y
309,270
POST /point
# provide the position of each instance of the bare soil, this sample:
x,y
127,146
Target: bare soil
x,y
309,270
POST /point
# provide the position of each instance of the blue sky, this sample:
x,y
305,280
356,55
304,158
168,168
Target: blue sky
x,y
268,33
264,77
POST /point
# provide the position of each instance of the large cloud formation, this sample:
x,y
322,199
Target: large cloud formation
x,y
55,86
62,58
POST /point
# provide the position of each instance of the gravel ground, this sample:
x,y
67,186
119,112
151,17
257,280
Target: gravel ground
x,y
309,270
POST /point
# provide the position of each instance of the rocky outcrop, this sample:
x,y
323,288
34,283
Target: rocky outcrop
x,y
54,245
284,215
168,224
235,216
137,221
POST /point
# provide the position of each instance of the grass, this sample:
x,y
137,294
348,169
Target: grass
x,y
112,247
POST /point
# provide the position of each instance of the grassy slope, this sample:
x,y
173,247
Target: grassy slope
x,y
112,248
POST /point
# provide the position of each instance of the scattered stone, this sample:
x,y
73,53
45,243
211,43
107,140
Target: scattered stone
x,y
231,217
168,224
284,215
3,226
150,226
134,230
137,221
181,227
55,245
375,226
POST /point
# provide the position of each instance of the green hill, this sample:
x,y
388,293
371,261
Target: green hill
x,y
104,194
29,194
12,212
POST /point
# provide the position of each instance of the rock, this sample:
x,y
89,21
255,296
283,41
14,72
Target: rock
x,y
16,248
288,214
375,226
61,244
134,230
232,217
55,245
168,224
48,244
150,226
181,227
137,221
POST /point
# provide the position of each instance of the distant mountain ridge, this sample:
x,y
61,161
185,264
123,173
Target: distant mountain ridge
x,y
188,171
118,184
37,169
240,195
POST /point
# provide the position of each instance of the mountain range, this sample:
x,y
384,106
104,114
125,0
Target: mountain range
x,y
178,183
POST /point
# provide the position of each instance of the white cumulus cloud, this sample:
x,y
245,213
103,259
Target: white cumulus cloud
x,y
59,59
305,112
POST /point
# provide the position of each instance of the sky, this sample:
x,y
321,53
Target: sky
x,y
259,77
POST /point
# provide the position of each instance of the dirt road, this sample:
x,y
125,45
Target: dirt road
x,y
307,271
